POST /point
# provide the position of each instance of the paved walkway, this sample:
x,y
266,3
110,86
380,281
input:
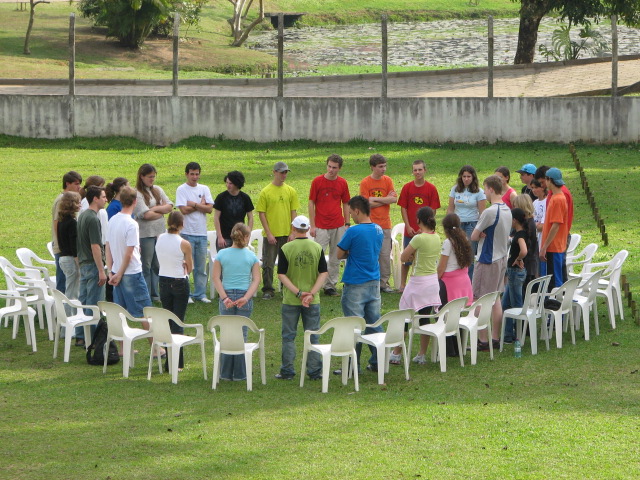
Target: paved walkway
x,y
538,80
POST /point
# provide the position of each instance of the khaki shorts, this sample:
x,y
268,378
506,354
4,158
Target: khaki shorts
x,y
488,278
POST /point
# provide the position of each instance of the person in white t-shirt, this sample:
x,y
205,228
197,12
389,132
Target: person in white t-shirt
x,y
195,201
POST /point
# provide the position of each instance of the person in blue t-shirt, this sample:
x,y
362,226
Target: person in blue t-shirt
x,y
361,246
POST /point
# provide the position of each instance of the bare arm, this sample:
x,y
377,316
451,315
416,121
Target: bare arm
x,y
216,222
265,226
96,252
476,235
188,257
442,265
547,241
405,219
451,208
341,254
115,278
292,234
250,220
519,262
407,254
375,202
482,204
312,218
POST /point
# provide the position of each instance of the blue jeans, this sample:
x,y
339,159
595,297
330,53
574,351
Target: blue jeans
x,y
174,295
90,292
132,294
363,300
512,297
232,367
61,279
310,321
150,265
468,228
199,252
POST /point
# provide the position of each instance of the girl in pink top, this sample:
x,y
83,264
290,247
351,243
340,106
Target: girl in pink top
x,y
509,193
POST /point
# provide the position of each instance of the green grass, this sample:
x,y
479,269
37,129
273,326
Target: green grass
x,y
570,413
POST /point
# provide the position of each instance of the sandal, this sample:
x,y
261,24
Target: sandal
x,y
395,359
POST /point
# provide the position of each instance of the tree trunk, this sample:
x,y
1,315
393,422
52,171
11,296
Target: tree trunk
x,y
27,38
531,12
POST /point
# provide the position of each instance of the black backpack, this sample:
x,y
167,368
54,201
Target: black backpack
x,y
95,353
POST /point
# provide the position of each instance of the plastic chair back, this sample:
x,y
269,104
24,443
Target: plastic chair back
x,y
573,243
344,328
485,305
450,314
116,318
159,319
50,249
256,235
397,230
590,287
535,295
616,266
396,321
25,256
565,294
61,312
212,237
231,335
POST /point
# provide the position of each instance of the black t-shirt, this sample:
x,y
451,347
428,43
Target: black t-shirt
x,y
67,237
514,252
233,209
527,189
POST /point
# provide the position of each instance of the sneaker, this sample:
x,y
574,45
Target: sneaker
x,y
387,290
318,376
204,300
339,372
372,368
267,296
419,359
281,376
508,341
395,359
331,292
190,300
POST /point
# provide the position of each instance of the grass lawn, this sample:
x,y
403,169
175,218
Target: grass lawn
x,y
569,413
205,54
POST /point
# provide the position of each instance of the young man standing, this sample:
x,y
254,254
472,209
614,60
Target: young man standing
x,y
492,231
91,254
527,173
555,230
277,205
70,183
231,207
302,269
361,246
195,201
329,215
415,195
378,189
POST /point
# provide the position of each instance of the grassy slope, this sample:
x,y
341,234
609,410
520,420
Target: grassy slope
x,y
207,53
566,413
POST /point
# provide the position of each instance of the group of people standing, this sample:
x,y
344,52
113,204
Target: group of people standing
x,y
147,256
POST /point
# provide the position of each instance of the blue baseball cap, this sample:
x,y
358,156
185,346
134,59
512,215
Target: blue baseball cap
x,y
555,176
529,168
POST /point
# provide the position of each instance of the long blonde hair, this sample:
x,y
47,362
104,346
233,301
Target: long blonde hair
x,y
239,234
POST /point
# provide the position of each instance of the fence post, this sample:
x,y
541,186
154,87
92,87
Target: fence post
x,y
490,57
176,42
614,73
280,54
72,54
385,45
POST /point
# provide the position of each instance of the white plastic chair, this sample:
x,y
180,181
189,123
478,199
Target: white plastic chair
x,y
584,302
384,341
447,325
256,236
70,322
17,307
478,318
564,294
50,250
231,342
119,329
529,313
396,251
212,237
582,258
574,241
343,344
609,284
162,337
33,289
29,259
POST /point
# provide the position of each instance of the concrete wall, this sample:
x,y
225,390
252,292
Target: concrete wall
x,y
164,120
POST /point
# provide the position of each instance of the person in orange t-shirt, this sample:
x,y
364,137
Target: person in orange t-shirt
x,y
555,230
379,189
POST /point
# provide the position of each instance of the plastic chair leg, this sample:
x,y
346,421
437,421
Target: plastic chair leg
x,y
326,366
31,329
105,354
174,358
248,357
345,369
215,373
203,359
460,352
382,362
67,344
355,370
473,339
127,356
305,354
150,362
442,352
406,360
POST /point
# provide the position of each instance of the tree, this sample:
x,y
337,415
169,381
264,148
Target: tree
x,y
578,12
32,14
239,32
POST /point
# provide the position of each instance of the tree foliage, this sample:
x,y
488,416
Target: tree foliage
x,y
577,12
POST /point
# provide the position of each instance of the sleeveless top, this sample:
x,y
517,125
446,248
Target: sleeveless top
x,y
170,256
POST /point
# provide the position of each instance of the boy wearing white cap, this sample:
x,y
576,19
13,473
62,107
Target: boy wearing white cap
x,y
277,205
302,269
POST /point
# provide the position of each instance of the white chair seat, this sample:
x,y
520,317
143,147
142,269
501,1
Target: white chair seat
x,y
70,322
478,318
17,308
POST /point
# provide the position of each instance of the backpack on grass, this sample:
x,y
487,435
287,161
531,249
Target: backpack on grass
x,y
95,352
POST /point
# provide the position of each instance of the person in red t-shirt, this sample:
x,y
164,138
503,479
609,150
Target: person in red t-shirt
x,y
329,216
415,195
379,189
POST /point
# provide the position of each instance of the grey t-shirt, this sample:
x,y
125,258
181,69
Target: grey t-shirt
x,y
89,232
